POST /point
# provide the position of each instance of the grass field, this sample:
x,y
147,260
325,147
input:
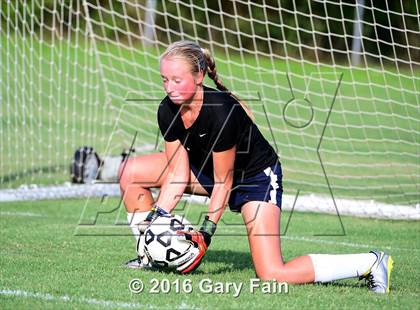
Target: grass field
x,y
49,261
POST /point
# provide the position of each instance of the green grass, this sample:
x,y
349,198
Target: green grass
x,y
369,149
44,254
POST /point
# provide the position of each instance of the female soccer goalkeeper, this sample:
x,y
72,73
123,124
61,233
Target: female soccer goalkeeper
x,y
213,148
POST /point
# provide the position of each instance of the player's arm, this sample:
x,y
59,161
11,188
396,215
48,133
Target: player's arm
x,y
223,168
177,177
223,163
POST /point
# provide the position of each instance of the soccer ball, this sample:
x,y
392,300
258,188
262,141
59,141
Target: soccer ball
x,y
164,248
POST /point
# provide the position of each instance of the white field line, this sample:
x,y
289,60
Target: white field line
x,y
12,213
349,244
303,203
329,242
82,300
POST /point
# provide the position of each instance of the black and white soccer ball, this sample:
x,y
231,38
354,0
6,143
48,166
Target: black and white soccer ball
x,y
165,248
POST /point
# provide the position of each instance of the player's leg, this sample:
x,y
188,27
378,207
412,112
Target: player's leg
x,y
262,221
263,225
137,176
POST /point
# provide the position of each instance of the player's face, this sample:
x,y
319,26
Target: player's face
x,y
179,82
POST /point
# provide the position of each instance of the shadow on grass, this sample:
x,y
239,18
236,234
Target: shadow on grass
x,y
338,284
226,261
230,260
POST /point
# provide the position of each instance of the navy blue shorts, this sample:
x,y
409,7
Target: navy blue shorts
x,y
264,186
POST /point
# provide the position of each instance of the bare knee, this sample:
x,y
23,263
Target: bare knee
x,y
147,171
297,271
124,173
269,274
269,270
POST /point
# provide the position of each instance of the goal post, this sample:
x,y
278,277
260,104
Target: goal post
x,y
334,86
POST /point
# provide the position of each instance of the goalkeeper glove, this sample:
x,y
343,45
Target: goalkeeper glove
x,y
207,230
154,213
200,239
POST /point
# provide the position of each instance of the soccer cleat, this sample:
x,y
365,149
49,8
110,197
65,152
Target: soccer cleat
x,y
137,263
378,277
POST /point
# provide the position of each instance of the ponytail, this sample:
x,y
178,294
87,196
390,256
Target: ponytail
x,y
212,74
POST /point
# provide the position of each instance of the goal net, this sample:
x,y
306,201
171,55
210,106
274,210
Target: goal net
x,y
334,87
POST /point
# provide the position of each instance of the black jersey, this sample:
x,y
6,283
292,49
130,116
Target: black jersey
x,y
221,124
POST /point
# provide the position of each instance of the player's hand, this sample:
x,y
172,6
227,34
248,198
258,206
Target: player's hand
x,y
195,237
201,240
208,229
198,241
154,213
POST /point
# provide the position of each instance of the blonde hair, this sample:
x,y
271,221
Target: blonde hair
x,y
201,60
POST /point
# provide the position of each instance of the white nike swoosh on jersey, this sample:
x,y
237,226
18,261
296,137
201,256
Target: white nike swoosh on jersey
x,y
202,135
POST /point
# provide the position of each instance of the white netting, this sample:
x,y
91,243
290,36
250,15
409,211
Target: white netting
x,y
334,86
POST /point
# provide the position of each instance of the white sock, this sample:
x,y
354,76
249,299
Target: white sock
x,y
134,219
334,267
